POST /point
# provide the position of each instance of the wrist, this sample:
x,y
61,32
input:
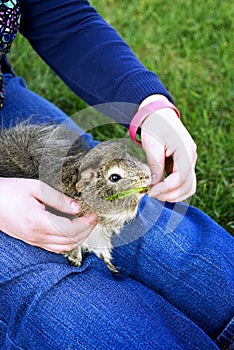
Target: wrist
x,y
152,98
145,110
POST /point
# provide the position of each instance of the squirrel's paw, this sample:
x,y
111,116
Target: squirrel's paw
x,y
75,256
109,264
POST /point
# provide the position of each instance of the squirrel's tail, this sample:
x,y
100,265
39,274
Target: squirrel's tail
x,y
26,147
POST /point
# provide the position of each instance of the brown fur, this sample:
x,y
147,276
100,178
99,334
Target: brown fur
x,y
57,156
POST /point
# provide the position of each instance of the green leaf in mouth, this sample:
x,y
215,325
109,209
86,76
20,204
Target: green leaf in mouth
x,y
126,193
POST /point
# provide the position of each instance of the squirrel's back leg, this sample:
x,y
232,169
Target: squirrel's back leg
x,y
75,256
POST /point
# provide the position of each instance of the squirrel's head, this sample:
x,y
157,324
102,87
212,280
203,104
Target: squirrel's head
x,y
106,170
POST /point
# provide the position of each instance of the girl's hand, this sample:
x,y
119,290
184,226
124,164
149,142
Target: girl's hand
x,y
169,147
24,216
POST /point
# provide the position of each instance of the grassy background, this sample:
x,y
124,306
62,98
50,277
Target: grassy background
x,y
190,45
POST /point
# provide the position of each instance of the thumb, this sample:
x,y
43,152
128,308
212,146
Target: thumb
x,y
55,199
155,154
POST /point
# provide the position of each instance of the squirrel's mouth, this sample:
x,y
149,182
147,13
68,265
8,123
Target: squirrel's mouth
x,y
144,185
126,193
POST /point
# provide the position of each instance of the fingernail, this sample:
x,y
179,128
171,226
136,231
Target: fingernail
x,y
154,179
75,207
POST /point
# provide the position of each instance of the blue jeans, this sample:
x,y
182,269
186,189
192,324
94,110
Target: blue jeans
x,y
175,291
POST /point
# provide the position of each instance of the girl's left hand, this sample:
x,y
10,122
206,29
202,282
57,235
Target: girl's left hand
x,y
169,147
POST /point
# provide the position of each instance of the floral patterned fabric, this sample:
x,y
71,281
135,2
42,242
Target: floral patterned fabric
x,y
9,25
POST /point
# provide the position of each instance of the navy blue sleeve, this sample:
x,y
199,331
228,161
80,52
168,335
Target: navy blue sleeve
x,y
87,53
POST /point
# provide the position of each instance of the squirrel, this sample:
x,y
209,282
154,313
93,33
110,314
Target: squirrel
x,y
60,157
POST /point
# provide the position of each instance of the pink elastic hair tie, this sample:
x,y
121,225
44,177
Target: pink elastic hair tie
x,y
144,112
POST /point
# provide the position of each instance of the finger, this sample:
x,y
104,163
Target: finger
x,y
155,154
171,189
88,221
177,196
46,240
59,249
42,222
53,233
55,199
72,228
182,175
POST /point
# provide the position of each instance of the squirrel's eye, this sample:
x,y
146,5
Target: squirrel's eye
x,y
115,178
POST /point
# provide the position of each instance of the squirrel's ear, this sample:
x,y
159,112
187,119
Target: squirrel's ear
x,y
85,177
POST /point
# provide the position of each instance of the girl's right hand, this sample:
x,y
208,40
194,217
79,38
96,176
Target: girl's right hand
x,y
24,216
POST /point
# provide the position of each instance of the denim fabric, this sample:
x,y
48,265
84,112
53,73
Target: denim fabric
x,y
191,266
175,291
226,339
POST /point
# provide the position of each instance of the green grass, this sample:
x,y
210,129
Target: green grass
x,y
190,45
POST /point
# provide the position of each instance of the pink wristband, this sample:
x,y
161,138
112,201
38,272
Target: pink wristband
x,y
144,112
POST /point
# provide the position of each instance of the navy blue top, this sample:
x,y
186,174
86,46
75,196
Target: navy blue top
x,y
87,53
